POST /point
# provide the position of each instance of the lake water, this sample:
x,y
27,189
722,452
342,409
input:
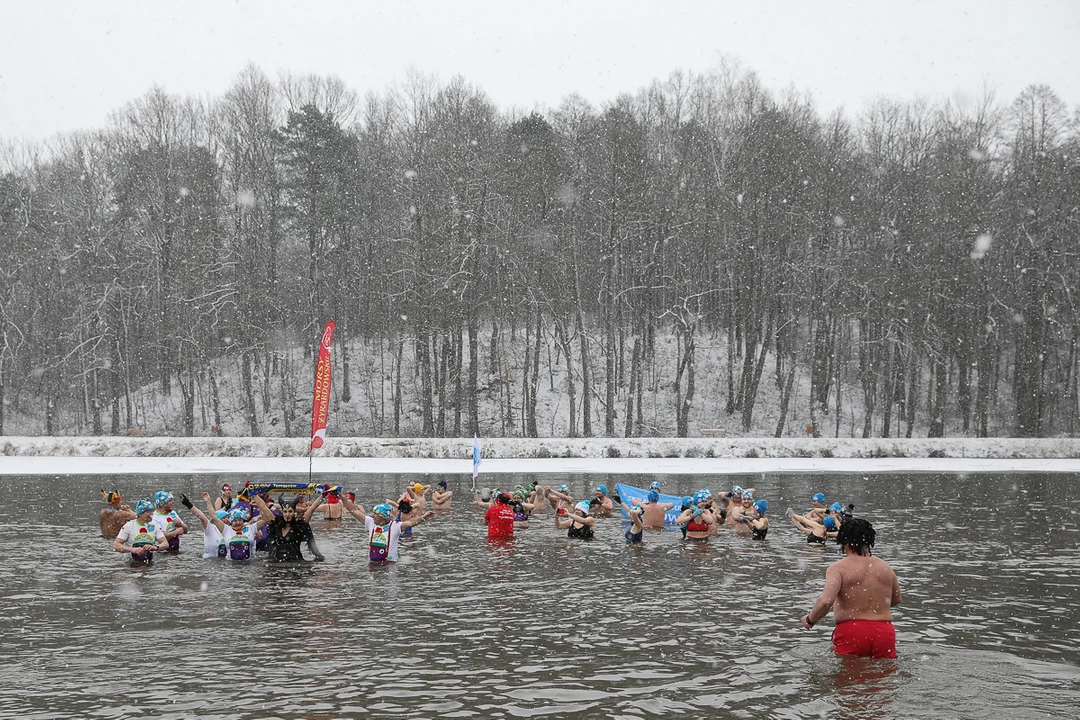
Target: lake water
x,y
545,626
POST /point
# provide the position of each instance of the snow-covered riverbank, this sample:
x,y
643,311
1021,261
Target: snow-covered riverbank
x,y
93,455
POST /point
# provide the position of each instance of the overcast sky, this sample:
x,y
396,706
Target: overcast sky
x,y
67,65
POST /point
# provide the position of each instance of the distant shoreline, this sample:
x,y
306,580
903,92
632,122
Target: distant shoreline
x,y
542,448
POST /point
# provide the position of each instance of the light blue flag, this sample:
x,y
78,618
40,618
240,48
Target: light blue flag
x,y
475,458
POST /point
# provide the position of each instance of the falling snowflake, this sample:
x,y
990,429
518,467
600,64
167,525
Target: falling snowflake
x,y
410,174
245,199
981,246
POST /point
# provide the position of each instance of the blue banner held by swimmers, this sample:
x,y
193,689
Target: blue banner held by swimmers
x,y
629,493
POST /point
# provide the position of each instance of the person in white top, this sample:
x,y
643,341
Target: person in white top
x,y
168,519
239,534
382,532
141,536
213,542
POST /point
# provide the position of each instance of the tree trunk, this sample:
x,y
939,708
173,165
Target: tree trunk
x,y
474,380
249,394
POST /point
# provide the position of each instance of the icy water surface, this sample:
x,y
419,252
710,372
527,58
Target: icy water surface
x,y
545,626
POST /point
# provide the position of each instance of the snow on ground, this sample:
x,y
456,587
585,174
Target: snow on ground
x,y
119,455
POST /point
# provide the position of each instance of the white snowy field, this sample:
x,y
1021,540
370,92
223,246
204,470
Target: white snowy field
x,y
701,456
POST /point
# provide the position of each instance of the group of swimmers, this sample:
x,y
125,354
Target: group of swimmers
x,y
237,527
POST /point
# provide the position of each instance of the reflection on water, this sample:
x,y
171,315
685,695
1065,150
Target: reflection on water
x,y
542,625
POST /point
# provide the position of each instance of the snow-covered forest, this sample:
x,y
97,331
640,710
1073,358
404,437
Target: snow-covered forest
x,y
702,253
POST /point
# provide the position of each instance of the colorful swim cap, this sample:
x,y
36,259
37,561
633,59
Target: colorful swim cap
x,y
687,501
237,514
698,497
225,487
762,506
818,498
112,498
564,489
384,509
836,507
654,485
143,506
737,490
602,489
747,495
417,487
504,498
583,507
707,492
161,497
221,514
485,494
829,523
654,496
638,509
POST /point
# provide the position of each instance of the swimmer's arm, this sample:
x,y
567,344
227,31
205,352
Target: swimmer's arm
x,y
666,506
406,524
212,515
163,542
684,517
264,510
562,522
312,507
897,598
357,511
825,601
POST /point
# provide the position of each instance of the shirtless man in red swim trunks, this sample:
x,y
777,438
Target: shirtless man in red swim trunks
x,y
860,590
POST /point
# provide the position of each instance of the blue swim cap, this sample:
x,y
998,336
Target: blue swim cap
x,y
237,514
761,506
654,496
384,509
221,514
698,497
687,501
707,492
143,506
602,488
654,485
564,489
583,506
836,507
829,523
737,490
818,498
161,497
747,495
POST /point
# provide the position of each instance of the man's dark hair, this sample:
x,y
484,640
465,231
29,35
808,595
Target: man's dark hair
x,y
858,534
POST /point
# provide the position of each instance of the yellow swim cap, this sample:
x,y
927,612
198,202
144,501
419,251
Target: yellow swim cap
x,y
417,487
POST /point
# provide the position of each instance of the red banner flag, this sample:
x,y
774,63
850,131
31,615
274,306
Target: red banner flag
x,y
320,407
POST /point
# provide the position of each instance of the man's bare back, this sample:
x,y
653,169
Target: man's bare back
x,y
865,586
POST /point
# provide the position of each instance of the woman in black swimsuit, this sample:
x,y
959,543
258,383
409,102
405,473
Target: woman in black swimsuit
x,y
577,523
759,524
287,531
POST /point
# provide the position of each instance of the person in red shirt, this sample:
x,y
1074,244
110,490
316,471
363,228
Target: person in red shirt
x,y
500,518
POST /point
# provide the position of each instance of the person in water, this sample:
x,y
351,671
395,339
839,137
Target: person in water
x,y
578,522
818,508
521,509
115,515
140,536
330,506
699,521
606,506
382,531
654,510
441,497
636,533
240,533
482,498
816,532
285,532
500,518
226,500
168,520
213,541
417,497
756,521
737,510
861,591
559,498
